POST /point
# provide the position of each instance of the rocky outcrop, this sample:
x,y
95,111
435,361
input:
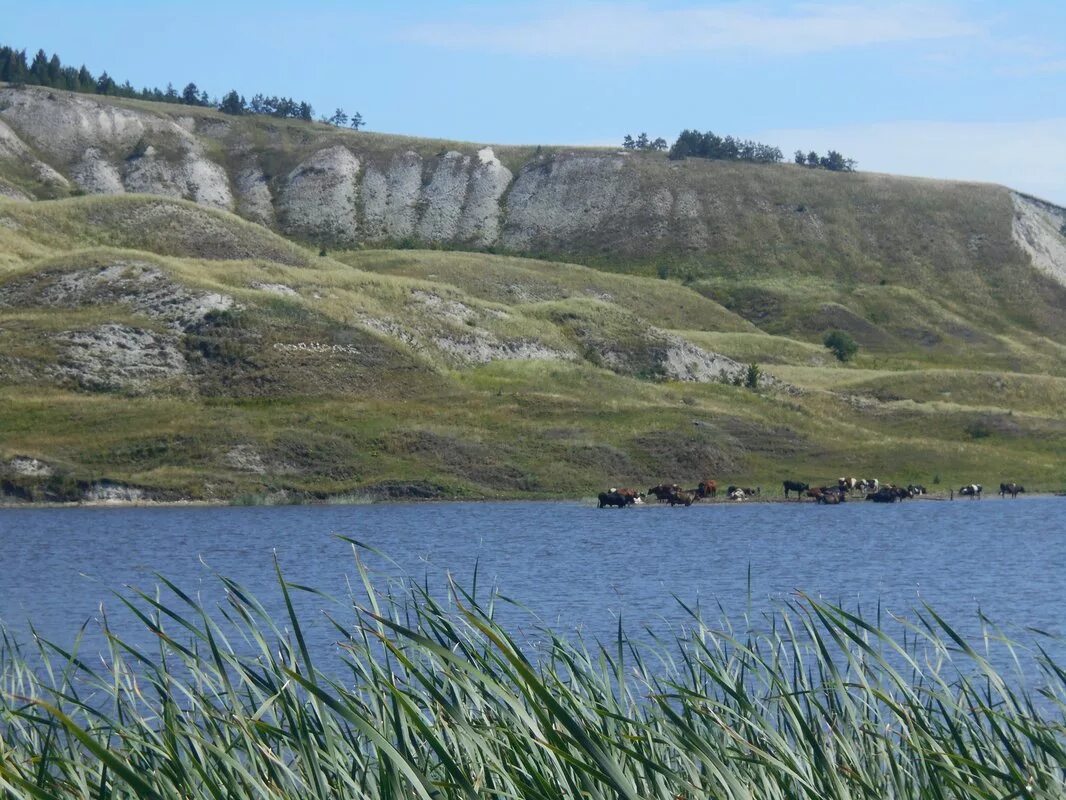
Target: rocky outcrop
x,y
108,149
1040,230
350,189
319,198
119,358
141,287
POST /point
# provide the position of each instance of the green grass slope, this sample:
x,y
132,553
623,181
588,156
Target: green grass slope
x,y
185,353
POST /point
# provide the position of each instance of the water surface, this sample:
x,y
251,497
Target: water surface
x,y
573,566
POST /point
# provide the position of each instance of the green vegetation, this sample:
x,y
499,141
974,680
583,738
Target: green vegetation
x,y
693,144
841,344
276,369
16,69
386,373
435,699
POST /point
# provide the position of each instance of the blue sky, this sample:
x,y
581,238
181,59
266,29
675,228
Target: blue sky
x,y
967,90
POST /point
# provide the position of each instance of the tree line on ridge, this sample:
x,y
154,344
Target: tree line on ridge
x,y
18,70
697,144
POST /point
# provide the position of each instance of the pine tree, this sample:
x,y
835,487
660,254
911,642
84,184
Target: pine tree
x,y
190,95
232,103
356,121
39,69
104,84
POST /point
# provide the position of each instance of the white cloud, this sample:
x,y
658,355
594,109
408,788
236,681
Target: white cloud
x,y
1028,156
626,30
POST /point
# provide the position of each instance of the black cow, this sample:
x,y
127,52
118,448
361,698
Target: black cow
x,y
664,491
615,499
887,494
1012,489
795,486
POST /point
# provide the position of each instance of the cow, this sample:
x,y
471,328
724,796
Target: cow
x,y
832,497
638,498
848,484
663,492
1012,489
816,493
682,498
971,491
615,499
915,489
795,486
749,491
736,493
869,484
707,488
887,494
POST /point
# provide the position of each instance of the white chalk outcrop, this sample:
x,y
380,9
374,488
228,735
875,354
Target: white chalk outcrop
x,y
320,197
108,149
1040,230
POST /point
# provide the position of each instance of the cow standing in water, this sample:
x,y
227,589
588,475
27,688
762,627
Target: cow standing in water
x,y
1012,489
707,488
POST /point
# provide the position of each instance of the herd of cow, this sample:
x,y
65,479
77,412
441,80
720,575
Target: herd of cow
x,y
870,488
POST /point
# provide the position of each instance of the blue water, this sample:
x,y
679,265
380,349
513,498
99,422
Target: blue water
x,y
574,567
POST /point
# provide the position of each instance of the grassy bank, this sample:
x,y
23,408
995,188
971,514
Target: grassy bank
x,y
435,700
189,354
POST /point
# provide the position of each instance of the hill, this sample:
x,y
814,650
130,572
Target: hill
x,y
249,307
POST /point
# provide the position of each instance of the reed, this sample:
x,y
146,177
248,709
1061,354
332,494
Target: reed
x,y
432,698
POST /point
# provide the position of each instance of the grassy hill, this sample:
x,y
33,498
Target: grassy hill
x,y
349,314
186,353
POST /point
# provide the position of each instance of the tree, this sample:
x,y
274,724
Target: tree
x,y
339,118
812,159
800,158
643,141
751,377
39,69
356,121
842,345
55,70
833,161
628,142
659,144
232,103
190,95
104,84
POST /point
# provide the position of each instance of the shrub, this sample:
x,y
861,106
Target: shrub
x,y
751,378
842,345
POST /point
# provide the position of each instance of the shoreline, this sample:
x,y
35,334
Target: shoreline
x,y
589,500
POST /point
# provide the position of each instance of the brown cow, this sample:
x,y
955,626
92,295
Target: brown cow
x,y
707,488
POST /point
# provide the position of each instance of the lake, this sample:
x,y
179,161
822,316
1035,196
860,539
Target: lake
x,y
573,566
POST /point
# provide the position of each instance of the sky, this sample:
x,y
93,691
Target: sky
x,y
962,90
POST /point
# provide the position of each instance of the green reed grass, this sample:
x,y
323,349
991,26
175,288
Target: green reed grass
x,y
434,699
